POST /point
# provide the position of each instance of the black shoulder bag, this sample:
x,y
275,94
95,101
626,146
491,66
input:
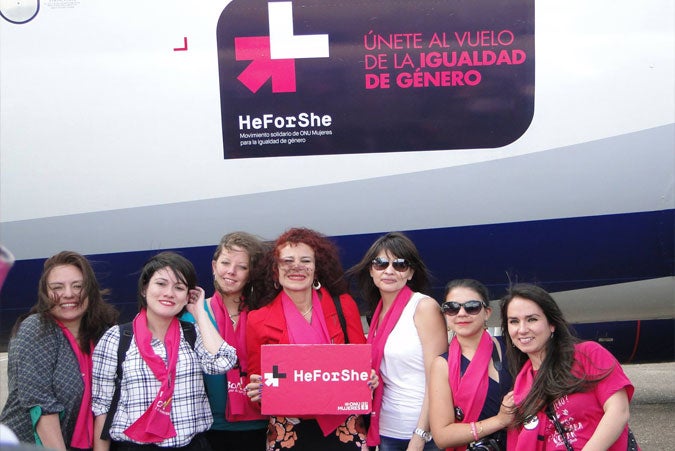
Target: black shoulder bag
x,y
341,317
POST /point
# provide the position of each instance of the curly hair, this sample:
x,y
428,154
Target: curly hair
x,y
98,317
400,246
327,262
254,248
555,377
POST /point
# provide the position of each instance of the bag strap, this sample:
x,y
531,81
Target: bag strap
x,y
126,334
496,361
550,413
341,317
189,333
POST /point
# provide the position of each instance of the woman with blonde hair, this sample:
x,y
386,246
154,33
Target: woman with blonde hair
x,y
237,424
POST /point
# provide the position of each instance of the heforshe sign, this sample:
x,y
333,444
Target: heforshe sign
x,y
318,379
316,77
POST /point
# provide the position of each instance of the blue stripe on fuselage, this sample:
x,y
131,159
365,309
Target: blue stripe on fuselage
x,y
559,254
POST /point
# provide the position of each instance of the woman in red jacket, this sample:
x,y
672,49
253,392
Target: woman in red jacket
x,y
302,273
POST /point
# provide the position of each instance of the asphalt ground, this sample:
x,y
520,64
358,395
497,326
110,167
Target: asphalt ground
x,y
652,412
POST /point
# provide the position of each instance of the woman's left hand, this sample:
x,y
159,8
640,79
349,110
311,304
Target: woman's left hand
x,y
374,380
195,301
506,410
254,388
416,443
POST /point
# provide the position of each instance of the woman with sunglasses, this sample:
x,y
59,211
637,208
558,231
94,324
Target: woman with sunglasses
x,y
300,276
406,333
569,395
470,399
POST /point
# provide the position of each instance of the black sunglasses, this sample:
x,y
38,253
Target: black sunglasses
x,y
399,264
471,307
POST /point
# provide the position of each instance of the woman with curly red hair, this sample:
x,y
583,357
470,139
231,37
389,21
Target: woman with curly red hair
x,y
302,272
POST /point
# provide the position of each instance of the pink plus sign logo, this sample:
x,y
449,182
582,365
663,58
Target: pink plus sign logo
x,y
274,56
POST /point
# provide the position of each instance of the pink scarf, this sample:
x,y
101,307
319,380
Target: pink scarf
x,y
155,424
6,262
301,332
377,336
238,406
469,391
83,435
525,437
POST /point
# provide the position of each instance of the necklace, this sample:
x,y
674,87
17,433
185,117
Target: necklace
x,y
233,317
309,310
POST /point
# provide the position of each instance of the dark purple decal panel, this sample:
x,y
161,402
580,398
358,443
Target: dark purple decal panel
x,y
313,77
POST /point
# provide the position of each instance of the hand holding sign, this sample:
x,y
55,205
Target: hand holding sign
x,y
318,379
254,388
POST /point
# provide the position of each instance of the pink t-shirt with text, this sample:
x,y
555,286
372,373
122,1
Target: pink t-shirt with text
x,y
580,413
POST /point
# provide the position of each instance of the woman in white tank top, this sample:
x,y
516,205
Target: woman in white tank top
x,y
407,332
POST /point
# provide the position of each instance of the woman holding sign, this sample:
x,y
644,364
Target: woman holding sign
x,y
237,423
303,273
469,386
407,332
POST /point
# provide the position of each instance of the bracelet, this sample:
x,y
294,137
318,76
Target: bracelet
x,y
424,434
473,431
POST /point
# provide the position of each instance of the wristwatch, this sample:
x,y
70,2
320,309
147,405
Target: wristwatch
x,y
424,434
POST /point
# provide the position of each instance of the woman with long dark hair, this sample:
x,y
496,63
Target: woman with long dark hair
x,y
569,395
407,332
50,356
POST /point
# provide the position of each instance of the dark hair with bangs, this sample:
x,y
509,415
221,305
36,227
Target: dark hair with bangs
x,y
182,268
399,246
472,284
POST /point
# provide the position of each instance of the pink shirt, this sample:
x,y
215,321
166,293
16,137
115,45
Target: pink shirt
x,y
580,413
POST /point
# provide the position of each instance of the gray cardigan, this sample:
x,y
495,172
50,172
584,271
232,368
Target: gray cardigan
x,y
42,371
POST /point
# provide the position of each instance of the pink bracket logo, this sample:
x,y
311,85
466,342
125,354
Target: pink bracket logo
x,y
274,56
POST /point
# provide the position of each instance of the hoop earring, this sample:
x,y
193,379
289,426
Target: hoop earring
x,y
485,326
276,285
316,285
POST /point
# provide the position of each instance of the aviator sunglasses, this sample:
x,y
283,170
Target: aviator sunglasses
x,y
399,264
471,307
